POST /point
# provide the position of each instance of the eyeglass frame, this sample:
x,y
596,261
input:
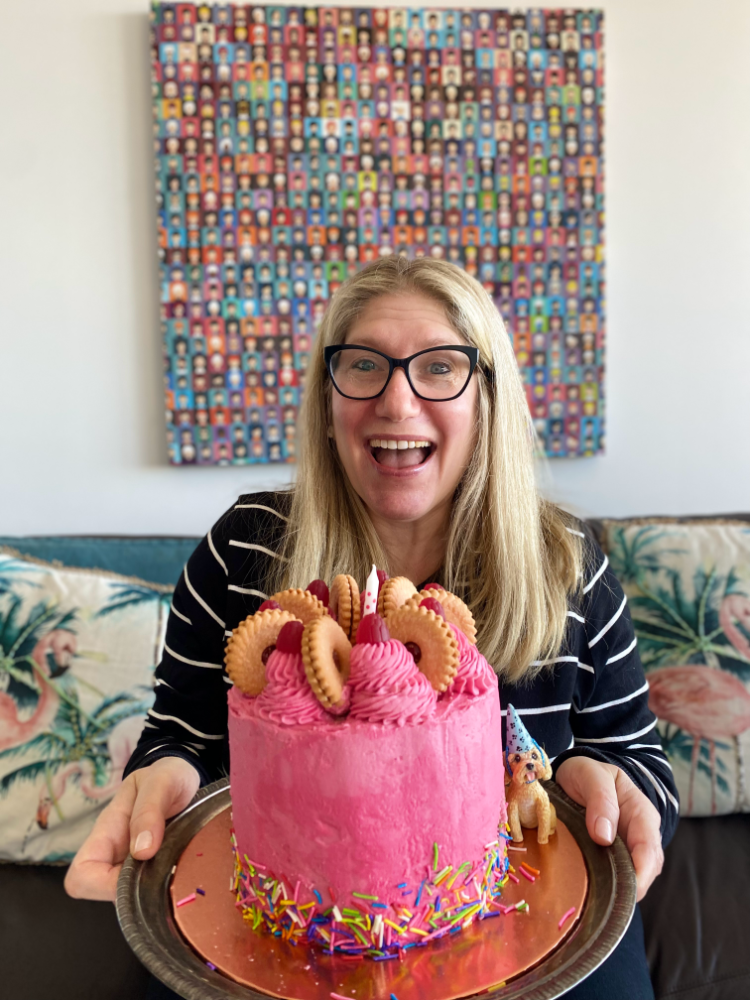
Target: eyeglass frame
x,y
472,353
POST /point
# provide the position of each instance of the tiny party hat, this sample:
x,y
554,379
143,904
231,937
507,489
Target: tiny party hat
x,y
518,739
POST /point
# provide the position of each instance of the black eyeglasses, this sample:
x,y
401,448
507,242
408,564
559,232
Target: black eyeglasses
x,y
436,375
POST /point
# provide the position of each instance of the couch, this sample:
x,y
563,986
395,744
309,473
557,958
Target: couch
x,y
696,916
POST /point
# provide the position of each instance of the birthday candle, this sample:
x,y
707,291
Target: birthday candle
x,y
371,593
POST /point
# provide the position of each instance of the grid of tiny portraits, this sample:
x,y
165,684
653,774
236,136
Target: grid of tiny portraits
x,y
296,144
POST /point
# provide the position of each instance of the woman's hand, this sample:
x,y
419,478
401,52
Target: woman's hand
x,y
614,803
133,821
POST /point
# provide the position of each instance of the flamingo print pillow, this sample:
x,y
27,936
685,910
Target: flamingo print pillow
x,y
77,653
688,585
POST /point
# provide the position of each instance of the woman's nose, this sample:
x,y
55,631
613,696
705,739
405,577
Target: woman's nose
x,y
398,401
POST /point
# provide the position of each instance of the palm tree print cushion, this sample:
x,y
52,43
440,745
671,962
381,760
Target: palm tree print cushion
x,y
688,586
77,654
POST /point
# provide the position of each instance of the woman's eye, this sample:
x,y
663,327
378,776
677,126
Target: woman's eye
x,y
438,368
364,365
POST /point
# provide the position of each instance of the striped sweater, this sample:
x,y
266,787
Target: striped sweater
x,y
592,700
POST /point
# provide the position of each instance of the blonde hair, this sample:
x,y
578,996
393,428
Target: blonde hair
x,y
509,552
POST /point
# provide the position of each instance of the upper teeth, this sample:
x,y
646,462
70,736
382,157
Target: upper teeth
x,y
394,445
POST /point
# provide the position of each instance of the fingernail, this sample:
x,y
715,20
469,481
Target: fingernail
x,y
602,828
143,841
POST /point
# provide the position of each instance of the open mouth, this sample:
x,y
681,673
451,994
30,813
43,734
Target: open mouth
x,y
400,453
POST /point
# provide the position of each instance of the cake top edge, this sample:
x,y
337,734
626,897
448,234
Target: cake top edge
x,y
426,638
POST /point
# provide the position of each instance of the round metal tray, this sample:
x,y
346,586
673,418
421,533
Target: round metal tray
x,y
145,912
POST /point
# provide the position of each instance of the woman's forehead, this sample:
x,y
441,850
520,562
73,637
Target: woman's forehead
x,y
405,317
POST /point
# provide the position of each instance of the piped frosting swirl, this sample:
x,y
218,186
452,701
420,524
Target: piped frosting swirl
x,y
475,676
287,698
387,686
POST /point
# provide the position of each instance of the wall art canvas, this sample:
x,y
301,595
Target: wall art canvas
x,y
293,145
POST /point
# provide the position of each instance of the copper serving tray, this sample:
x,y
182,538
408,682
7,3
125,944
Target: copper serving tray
x,y
603,878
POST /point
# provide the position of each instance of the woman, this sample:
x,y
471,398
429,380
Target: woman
x,y
417,455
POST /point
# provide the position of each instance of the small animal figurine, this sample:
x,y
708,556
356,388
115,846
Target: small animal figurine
x,y
526,763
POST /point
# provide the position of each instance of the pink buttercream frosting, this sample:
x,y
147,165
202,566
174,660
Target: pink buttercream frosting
x,y
387,685
287,698
352,805
475,676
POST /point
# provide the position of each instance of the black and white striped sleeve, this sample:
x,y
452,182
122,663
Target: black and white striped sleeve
x,y
610,717
189,716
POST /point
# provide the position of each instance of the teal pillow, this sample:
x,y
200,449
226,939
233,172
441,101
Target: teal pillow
x,y
158,559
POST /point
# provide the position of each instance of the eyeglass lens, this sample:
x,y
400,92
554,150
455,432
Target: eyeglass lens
x,y
437,374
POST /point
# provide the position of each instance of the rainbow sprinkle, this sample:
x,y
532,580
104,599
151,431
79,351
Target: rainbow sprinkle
x,y
564,917
369,927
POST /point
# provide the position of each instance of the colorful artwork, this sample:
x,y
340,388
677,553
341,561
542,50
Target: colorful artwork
x,y
295,144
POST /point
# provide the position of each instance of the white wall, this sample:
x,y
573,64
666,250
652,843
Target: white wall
x,y
81,433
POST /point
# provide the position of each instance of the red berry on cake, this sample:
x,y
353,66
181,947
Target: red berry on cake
x,y
372,629
432,586
319,589
415,651
290,638
433,605
269,606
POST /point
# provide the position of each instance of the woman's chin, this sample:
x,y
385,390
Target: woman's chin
x,y
400,494
398,502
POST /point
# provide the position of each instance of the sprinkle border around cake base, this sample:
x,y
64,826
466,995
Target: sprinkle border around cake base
x,y
445,902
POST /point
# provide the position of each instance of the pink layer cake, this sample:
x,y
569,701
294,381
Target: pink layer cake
x,y
366,792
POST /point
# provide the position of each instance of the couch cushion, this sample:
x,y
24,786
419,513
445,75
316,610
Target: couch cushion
x,y
53,947
695,913
158,559
688,585
77,652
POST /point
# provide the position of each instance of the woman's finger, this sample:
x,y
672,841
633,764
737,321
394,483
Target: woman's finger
x,y
640,828
95,869
591,783
648,859
164,789
602,810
